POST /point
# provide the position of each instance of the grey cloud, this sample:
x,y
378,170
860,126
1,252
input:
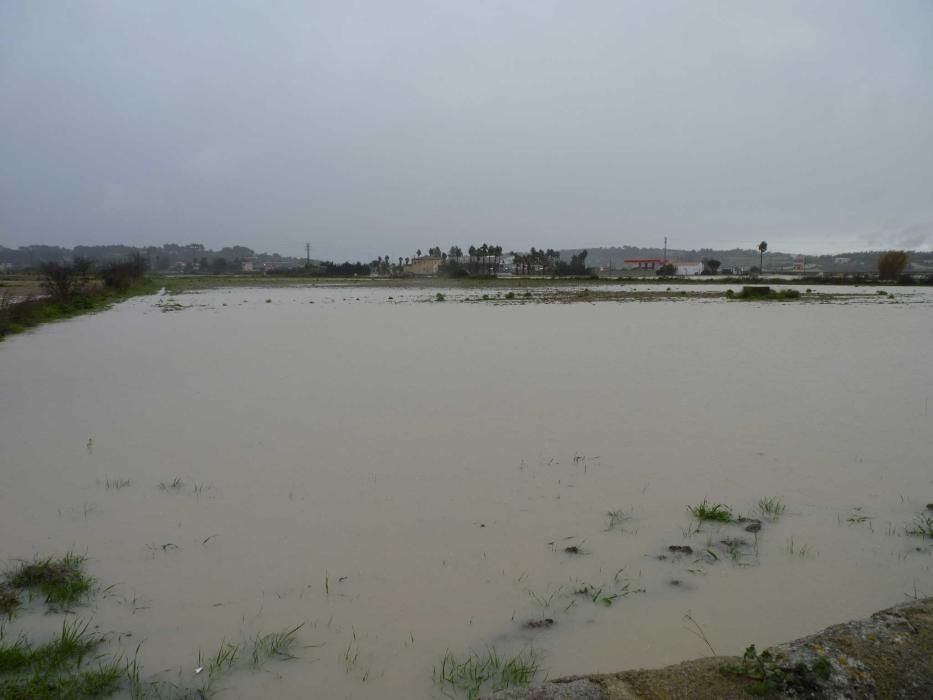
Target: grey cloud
x,y
372,127
917,236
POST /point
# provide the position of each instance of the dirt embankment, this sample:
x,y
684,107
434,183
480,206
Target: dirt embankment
x,y
889,655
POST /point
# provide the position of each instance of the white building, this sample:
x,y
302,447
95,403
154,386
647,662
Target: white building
x,y
686,269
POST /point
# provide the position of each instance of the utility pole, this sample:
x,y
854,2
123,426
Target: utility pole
x,y
308,251
665,251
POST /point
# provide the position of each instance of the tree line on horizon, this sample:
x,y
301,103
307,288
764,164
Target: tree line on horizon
x,y
482,259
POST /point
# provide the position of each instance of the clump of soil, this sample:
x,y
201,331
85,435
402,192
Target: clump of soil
x,y
543,623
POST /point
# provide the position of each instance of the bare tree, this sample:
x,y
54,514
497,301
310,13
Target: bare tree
x,y
892,264
61,281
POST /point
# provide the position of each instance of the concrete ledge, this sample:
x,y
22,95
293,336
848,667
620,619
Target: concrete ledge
x,y
887,656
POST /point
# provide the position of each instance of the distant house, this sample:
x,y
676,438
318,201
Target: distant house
x,y
247,266
685,269
427,265
643,263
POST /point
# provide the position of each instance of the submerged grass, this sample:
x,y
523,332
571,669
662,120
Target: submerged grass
x,y
275,645
53,669
72,645
487,671
804,551
175,484
62,581
9,601
229,657
771,508
709,511
618,519
100,682
922,526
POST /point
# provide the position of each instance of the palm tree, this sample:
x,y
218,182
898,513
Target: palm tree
x,y
419,252
472,252
762,247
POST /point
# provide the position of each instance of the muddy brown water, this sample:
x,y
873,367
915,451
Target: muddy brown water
x,y
405,478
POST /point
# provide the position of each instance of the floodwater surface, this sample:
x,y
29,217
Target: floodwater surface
x,y
407,477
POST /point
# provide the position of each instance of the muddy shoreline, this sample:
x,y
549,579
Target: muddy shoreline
x,y
888,655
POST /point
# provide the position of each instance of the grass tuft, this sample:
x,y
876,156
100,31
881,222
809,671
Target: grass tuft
x,y
771,508
72,645
95,683
922,526
276,645
62,581
715,512
174,485
804,551
618,519
487,671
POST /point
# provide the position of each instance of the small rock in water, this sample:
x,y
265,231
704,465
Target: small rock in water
x,y
753,526
681,548
929,506
573,549
675,582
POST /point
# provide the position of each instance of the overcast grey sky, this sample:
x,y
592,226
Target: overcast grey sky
x,y
372,128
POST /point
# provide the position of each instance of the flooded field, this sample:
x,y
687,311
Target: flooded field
x,y
405,477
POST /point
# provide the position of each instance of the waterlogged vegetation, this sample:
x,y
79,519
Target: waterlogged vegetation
x,y
768,677
766,294
716,512
176,484
72,290
76,664
518,290
771,508
60,581
487,671
64,667
621,521
452,528
922,526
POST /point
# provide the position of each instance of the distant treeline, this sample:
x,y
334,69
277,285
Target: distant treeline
x,y
324,269
158,258
865,262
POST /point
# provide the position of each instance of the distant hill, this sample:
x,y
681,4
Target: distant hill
x,y
777,261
